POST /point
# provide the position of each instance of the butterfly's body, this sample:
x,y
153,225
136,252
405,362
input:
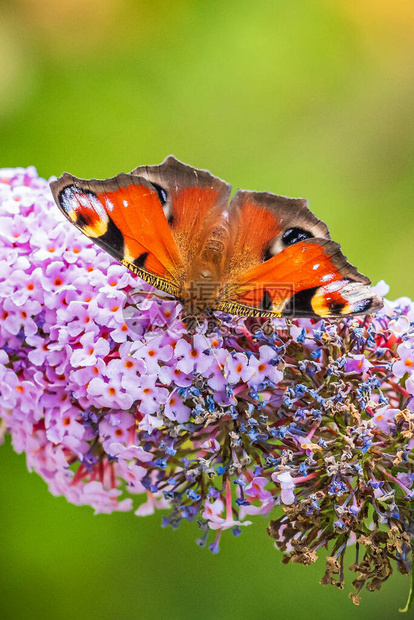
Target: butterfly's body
x,y
201,285
257,255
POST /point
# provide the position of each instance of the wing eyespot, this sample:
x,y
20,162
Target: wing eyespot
x,y
365,305
162,194
336,307
82,220
165,203
294,235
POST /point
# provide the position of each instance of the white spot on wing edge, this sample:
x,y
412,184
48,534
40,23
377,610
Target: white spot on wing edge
x,y
108,204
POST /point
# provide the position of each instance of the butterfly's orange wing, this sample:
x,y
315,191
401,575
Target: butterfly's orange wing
x,y
124,216
284,263
269,255
153,220
193,202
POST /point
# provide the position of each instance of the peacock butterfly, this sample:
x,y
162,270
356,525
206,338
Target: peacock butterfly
x,y
257,254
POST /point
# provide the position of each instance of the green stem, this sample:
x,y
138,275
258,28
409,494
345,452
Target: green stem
x,y
410,600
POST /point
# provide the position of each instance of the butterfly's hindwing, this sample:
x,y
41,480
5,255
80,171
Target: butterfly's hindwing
x,y
284,263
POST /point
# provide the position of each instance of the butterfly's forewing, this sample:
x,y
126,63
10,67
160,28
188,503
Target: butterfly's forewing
x,y
284,263
124,215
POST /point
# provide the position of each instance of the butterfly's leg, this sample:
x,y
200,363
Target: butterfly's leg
x,y
149,294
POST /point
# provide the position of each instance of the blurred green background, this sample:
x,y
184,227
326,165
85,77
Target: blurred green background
x,y
299,97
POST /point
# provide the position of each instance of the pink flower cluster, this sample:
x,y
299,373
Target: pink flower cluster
x,y
116,406
78,386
